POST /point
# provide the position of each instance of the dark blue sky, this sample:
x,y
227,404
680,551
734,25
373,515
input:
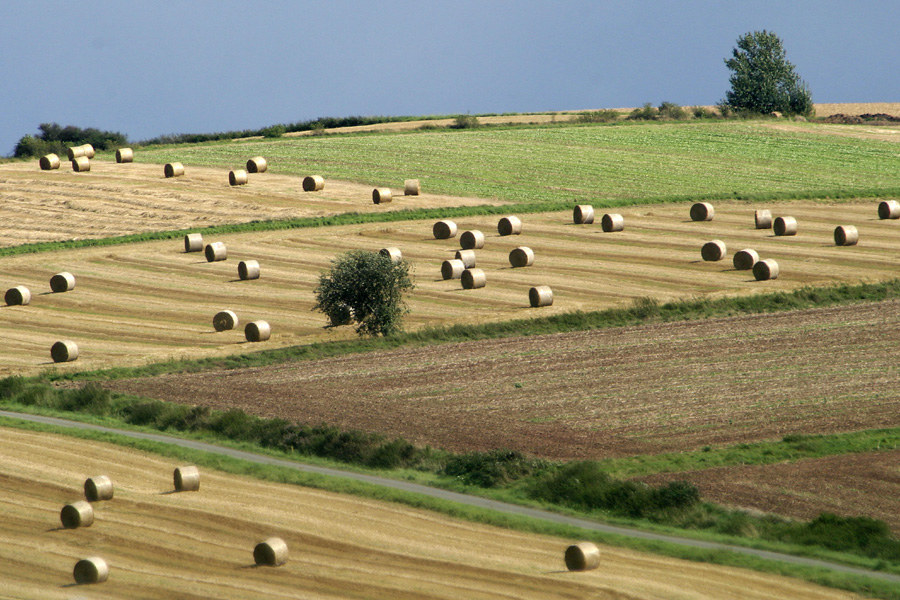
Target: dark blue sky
x,y
146,69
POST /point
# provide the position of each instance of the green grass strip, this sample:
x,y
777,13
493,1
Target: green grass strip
x,y
789,449
643,311
860,584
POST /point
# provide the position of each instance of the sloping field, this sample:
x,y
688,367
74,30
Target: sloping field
x,y
855,484
629,162
606,393
199,545
116,199
146,302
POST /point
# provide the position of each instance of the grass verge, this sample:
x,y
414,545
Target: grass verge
x,y
861,584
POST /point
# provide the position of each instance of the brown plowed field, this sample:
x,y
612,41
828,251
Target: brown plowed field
x,y
607,393
147,302
199,544
853,484
117,199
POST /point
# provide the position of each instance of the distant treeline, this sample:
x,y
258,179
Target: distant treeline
x,y
55,139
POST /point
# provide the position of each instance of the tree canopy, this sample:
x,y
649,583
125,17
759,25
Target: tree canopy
x,y
763,80
366,288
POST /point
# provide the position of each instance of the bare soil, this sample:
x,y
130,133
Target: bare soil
x,y
607,393
198,545
864,485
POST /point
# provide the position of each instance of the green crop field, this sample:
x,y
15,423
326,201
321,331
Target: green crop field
x,y
624,163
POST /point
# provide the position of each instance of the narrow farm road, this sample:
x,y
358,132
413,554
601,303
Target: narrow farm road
x,y
475,501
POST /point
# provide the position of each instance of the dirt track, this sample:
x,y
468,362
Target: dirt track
x,y
613,392
198,545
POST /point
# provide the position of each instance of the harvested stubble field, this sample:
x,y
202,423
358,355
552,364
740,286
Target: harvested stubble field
x,y
117,199
162,545
854,484
150,301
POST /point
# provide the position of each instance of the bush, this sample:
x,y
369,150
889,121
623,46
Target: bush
x,y
367,288
585,485
670,110
701,112
465,122
490,469
56,139
598,116
870,536
646,113
273,131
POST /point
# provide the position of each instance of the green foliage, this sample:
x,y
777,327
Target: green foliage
x,y
868,536
646,113
494,468
701,112
273,131
367,288
763,80
598,116
586,486
56,139
672,111
465,122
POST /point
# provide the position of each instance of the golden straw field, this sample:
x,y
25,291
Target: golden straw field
x,y
145,302
199,544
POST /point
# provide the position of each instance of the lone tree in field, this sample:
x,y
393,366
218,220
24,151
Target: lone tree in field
x,y
366,288
763,80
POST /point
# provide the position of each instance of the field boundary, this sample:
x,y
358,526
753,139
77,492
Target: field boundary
x,y
709,550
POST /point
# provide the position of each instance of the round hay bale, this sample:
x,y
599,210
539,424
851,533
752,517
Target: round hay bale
x,y
763,219
187,479
82,164
444,230
452,269
313,183
745,259
78,514
193,242
540,295
91,570
64,351
272,552
612,222
225,320
173,169
237,177
583,214
124,155
472,279
18,296
471,240
889,209
88,150
702,211
583,556
49,162
215,251
98,488
257,331
411,187
785,226
381,195
509,226
467,257
392,253
523,256
714,250
765,269
248,269
257,164
74,152
62,282
846,235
